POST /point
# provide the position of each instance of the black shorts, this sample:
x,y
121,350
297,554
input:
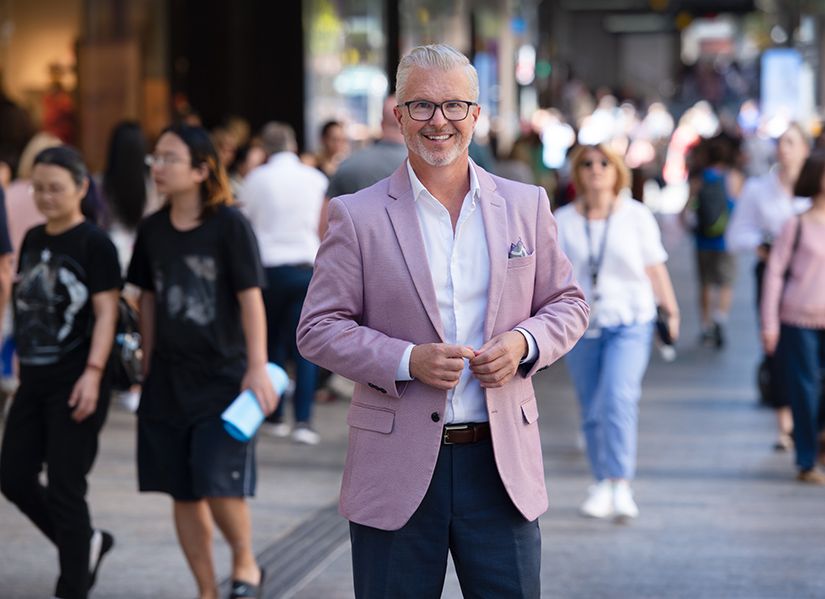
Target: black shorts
x,y
190,463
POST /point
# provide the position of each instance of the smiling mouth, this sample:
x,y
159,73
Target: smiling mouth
x,y
439,137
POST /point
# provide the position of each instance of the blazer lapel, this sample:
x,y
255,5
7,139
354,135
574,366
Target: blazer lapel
x,y
494,213
404,219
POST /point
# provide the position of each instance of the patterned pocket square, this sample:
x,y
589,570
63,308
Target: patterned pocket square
x,y
517,250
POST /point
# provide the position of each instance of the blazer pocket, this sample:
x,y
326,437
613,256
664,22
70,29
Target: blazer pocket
x,y
521,261
371,419
530,410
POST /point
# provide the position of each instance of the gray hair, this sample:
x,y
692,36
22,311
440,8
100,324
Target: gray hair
x,y
435,56
278,137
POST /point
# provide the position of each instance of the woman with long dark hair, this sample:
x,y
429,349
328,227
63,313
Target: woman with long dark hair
x,y
204,332
65,309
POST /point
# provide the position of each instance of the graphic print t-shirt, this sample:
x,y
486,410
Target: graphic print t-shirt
x,y
199,355
56,279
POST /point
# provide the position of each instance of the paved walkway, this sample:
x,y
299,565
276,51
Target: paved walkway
x,y
721,516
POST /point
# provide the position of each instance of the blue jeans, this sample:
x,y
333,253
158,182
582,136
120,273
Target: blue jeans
x,y
607,373
286,288
801,356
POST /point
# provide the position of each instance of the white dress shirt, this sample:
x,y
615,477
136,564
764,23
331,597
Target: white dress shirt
x,y
460,268
282,200
761,210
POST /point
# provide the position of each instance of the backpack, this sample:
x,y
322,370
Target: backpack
x,y
125,361
712,211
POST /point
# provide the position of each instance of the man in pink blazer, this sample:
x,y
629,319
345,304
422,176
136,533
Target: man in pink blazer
x,y
440,291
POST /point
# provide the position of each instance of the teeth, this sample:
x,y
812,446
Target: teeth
x,y
438,137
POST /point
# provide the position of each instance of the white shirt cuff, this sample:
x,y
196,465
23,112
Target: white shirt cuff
x,y
403,371
532,347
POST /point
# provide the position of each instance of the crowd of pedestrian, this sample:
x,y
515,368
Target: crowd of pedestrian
x,y
411,267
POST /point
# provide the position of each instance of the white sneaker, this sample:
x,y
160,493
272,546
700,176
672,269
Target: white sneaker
x,y
599,503
280,430
305,435
623,504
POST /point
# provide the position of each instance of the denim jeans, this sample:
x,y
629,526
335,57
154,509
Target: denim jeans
x,y
801,356
284,297
607,373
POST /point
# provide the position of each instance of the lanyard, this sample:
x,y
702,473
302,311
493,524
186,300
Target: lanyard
x,y
595,261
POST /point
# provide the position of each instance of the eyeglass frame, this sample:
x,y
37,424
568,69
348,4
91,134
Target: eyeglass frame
x,y
440,106
151,160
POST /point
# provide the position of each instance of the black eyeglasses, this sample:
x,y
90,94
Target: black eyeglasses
x,y
453,110
589,163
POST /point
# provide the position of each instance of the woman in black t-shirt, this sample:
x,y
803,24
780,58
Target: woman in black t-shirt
x,y
65,309
204,333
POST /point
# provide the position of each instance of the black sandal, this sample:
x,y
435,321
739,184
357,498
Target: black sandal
x,y
241,589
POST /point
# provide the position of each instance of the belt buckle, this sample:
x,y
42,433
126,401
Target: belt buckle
x,y
453,427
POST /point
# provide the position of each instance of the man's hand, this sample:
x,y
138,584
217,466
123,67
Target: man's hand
x,y
497,361
257,380
439,365
769,341
84,395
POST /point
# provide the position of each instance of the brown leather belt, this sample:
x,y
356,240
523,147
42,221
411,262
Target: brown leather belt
x,y
459,434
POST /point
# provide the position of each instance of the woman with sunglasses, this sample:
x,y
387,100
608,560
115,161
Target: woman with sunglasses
x,y
616,250
65,308
204,332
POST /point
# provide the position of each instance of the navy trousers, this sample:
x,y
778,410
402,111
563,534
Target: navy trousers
x,y
284,297
466,511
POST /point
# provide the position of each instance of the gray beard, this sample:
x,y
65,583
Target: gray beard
x,y
416,146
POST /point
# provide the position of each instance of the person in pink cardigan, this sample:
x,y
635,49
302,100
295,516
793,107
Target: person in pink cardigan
x,y
793,313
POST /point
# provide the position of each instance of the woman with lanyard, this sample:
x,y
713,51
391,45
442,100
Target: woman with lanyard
x,y
615,247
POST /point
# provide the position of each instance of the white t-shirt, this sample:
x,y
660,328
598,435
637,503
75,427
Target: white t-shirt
x,y
282,200
633,243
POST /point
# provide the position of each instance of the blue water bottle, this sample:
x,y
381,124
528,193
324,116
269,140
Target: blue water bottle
x,y
244,415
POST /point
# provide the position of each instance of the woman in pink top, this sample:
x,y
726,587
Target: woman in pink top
x,y
793,313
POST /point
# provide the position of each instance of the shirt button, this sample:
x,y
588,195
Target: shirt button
x,y
435,416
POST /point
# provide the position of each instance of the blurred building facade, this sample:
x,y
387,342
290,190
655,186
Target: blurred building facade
x,y
308,61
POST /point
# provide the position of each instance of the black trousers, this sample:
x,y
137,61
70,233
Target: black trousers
x,y
467,512
39,430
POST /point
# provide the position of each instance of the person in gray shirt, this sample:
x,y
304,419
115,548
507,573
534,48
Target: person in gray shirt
x,y
369,164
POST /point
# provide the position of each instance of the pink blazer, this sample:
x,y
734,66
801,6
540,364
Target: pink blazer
x,y
372,294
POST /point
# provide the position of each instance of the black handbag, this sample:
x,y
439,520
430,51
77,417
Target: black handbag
x,y
126,360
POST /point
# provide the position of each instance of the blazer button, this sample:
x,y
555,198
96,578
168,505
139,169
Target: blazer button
x,y
435,416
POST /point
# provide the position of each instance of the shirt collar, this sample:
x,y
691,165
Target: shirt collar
x,y
418,187
281,156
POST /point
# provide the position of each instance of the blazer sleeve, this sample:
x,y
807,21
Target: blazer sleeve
x,y
559,310
330,332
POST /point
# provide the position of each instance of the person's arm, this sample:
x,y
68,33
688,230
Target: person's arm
x,y
5,283
665,296
558,308
146,311
744,232
774,283
86,390
329,333
253,321
323,221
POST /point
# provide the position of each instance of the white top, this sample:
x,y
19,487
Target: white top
x,y
633,243
460,268
761,210
282,200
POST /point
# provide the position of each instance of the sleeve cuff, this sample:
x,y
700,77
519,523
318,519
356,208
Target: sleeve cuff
x,y
403,371
532,347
